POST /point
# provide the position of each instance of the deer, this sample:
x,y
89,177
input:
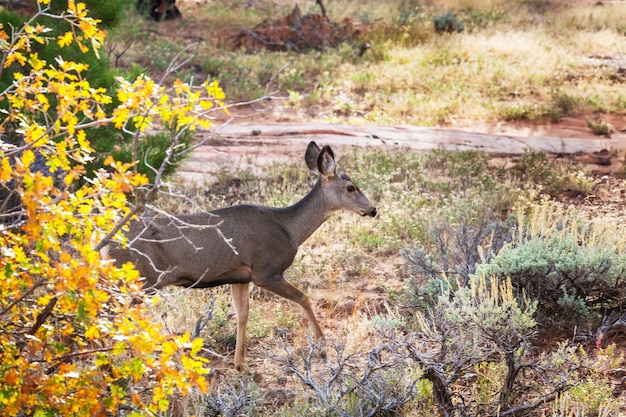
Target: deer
x,y
241,244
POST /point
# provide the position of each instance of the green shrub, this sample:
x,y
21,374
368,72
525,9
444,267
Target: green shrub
x,y
571,281
482,326
517,112
150,151
448,22
571,268
100,75
563,104
598,127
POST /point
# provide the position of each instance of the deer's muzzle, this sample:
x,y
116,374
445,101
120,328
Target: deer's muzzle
x,y
371,213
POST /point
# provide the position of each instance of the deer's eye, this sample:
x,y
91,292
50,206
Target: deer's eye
x,y
351,188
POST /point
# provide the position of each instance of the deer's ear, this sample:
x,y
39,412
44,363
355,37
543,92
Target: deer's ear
x,y
312,152
326,162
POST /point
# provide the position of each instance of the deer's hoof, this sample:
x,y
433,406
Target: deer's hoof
x,y
323,353
321,344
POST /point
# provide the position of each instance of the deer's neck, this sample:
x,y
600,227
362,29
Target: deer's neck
x,y
307,215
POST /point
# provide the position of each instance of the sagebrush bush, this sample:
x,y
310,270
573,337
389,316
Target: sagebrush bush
x,y
474,219
475,345
468,231
573,280
241,397
375,383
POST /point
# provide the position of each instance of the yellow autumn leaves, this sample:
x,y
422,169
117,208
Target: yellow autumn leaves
x,y
72,340
143,100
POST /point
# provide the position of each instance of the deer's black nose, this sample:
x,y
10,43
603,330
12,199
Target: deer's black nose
x,y
373,213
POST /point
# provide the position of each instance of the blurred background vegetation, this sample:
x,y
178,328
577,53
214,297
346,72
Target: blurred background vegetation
x,y
434,62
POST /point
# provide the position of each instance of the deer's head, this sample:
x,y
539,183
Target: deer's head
x,y
339,190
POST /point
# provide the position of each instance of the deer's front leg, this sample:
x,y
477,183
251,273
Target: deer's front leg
x,y
242,307
278,285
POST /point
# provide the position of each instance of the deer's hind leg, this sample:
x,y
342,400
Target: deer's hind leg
x,y
242,307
